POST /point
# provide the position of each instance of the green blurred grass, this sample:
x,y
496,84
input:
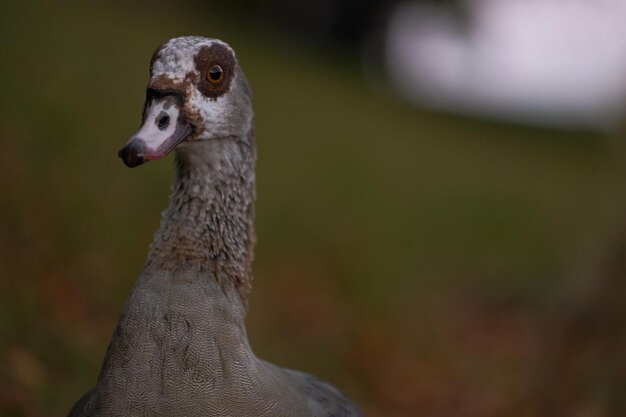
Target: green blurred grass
x,y
379,224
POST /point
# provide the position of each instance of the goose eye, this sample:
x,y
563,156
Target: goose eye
x,y
215,74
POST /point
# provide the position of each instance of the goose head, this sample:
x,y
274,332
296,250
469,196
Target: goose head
x,y
197,92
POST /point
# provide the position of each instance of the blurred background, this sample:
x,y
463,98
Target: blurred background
x,y
441,216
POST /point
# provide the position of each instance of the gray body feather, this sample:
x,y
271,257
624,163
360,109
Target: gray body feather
x,y
180,349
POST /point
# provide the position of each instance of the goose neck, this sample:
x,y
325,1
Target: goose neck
x,y
208,225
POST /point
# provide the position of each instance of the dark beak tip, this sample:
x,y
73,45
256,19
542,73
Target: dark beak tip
x,y
132,153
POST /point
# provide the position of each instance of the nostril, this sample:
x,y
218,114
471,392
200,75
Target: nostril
x,y
163,122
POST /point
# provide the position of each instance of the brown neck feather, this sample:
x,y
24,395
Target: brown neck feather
x,y
208,225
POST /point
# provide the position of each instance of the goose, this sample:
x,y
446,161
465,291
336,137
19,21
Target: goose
x,y
180,347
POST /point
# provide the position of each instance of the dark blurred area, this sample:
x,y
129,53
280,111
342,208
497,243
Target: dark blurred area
x,y
340,24
441,217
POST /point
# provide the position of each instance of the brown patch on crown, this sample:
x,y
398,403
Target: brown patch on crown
x,y
208,56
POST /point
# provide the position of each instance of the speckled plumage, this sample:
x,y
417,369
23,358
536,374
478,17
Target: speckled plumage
x,y
180,347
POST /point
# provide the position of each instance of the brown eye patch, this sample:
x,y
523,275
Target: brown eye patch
x,y
216,64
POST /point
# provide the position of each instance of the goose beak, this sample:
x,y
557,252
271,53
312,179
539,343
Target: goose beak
x,y
164,126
